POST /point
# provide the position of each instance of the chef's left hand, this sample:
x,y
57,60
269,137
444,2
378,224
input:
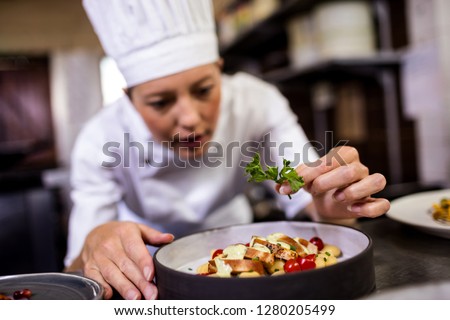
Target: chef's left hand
x,y
341,186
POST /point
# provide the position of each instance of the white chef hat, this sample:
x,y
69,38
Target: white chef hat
x,y
150,39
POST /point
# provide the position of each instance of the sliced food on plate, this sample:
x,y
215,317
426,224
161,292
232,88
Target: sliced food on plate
x,y
273,255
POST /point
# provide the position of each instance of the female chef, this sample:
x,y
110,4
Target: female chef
x,y
168,158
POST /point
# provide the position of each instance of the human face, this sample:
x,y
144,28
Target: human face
x,y
181,110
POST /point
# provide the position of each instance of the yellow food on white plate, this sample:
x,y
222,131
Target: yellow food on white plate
x,y
441,211
275,254
335,251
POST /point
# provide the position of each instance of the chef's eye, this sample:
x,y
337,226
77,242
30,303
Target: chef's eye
x,y
159,104
204,92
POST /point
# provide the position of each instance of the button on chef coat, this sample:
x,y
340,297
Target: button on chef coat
x,y
119,172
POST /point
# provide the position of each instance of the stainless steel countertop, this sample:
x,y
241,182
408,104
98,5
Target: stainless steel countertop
x,y
405,256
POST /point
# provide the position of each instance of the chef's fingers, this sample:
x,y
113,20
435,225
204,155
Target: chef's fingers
x,y
154,237
316,175
370,207
361,189
137,265
122,244
94,273
337,157
132,279
340,177
104,271
129,283
138,252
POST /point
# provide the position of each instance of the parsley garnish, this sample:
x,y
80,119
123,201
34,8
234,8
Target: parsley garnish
x,y
287,173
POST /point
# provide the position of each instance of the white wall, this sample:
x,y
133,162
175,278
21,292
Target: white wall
x,y
75,95
427,80
39,26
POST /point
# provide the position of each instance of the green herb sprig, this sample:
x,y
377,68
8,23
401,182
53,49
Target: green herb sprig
x,y
257,174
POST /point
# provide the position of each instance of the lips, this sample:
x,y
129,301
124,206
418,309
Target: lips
x,y
191,141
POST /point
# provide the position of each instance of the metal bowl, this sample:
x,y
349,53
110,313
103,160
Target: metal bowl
x,y
352,277
52,286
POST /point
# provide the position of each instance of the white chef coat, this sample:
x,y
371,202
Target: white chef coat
x,y
169,197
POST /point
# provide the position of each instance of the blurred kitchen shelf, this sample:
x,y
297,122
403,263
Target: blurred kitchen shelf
x,y
359,66
267,28
262,49
274,25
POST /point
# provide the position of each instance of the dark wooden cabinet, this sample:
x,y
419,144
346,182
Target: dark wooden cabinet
x,y
31,239
32,230
26,126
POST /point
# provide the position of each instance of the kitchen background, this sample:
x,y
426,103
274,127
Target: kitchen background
x,y
375,73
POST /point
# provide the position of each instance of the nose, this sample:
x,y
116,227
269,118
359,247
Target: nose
x,y
189,114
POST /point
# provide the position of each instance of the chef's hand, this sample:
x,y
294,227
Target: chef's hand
x,y
341,186
115,255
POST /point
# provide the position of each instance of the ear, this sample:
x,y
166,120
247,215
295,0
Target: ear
x,y
219,63
127,91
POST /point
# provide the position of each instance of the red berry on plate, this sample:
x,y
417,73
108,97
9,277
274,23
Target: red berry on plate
x,y
318,242
17,295
26,293
292,265
311,257
306,264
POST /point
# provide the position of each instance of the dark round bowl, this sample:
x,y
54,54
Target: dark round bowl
x,y
352,277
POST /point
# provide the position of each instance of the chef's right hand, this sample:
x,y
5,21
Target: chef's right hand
x,y
115,255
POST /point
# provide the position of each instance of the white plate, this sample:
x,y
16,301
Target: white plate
x,y
414,210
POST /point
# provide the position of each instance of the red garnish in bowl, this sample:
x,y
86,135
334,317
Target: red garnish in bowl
x,y
317,242
217,252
